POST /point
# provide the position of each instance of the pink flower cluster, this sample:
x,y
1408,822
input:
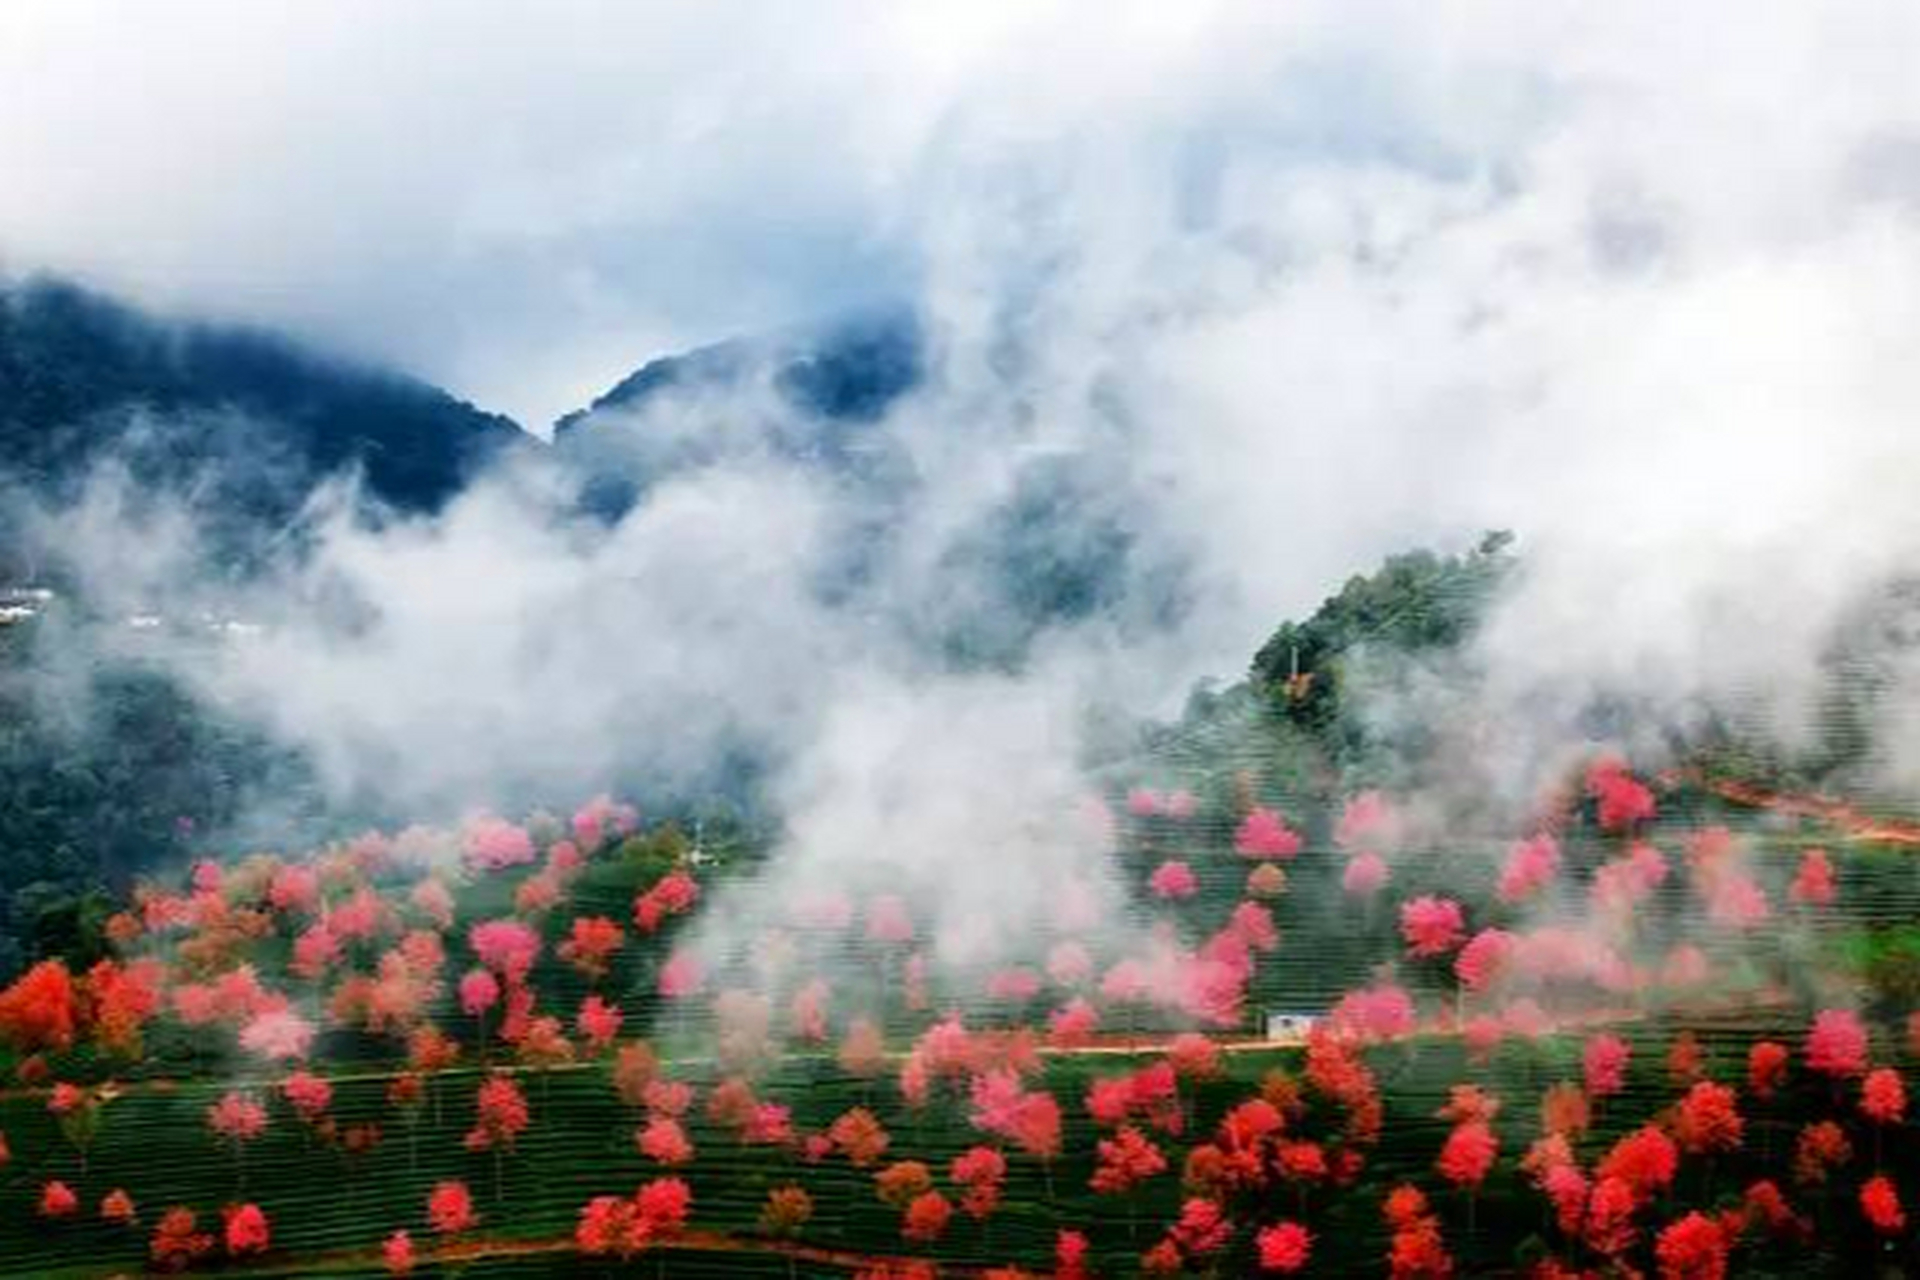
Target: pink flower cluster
x,y
1620,799
1530,867
508,947
1263,833
494,844
1173,880
1431,926
673,894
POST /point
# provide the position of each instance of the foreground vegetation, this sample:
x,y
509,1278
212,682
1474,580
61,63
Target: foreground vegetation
x,y
512,1047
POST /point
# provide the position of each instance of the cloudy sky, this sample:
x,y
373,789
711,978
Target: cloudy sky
x,y
523,200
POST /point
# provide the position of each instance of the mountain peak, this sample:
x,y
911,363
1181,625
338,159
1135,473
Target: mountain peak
x,y
82,375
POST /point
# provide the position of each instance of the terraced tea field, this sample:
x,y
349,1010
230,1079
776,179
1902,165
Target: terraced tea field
x,y
365,1015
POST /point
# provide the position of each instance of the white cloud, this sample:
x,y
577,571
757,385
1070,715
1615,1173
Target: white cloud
x,y
1323,279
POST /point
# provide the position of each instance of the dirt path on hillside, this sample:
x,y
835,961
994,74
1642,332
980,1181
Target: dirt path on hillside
x,y
474,1250
1849,818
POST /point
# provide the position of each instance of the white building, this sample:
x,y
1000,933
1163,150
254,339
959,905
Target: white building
x,y
1290,1026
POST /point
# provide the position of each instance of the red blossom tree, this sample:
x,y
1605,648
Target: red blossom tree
x,y
1284,1247
1263,833
1483,961
247,1230
611,1225
634,1068
479,992
859,1137
1126,1160
57,1200
1551,1165
1530,867
980,1173
1880,1203
1606,1065
1070,1255
1644,1160
786,1211
1620,800
1708,1120
590,945
1203,1228
664,1140
450,1208
673,894
926,1218
1431,926
1383,1011
1073,1025
237,1119
901,1181
493,844
808,1011
500,1115
1267,881
508,947
177,1243
39,1011
120,1000
599,1023
664,1204
396,1254
117,1207
1173,880
1837,1044
1883,1096
1692,1248
1766,1068
1467,1157
1366,874
1686,1061
1821,1148
309,1095
1367,821
1813,883
863,1051
1610,1229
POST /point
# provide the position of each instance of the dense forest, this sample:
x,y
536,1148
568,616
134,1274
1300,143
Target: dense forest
x,y
244,414
107,771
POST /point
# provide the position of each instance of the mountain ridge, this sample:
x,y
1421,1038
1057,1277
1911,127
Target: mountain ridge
x,y
82,373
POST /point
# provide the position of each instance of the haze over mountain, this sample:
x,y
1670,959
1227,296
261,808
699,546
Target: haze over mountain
x,y
825,389
251,415
252,421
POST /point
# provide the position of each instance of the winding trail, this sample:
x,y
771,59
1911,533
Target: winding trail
x,y
716,1242
1848,817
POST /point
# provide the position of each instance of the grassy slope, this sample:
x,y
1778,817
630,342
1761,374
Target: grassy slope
x,y
324,1204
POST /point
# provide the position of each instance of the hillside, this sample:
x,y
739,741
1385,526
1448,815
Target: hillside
x,y
814,394
512,1050
250,415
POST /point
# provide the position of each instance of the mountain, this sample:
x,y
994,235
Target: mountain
x,y
1058,546
255,416
246,423
820,390
850,370
242,425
